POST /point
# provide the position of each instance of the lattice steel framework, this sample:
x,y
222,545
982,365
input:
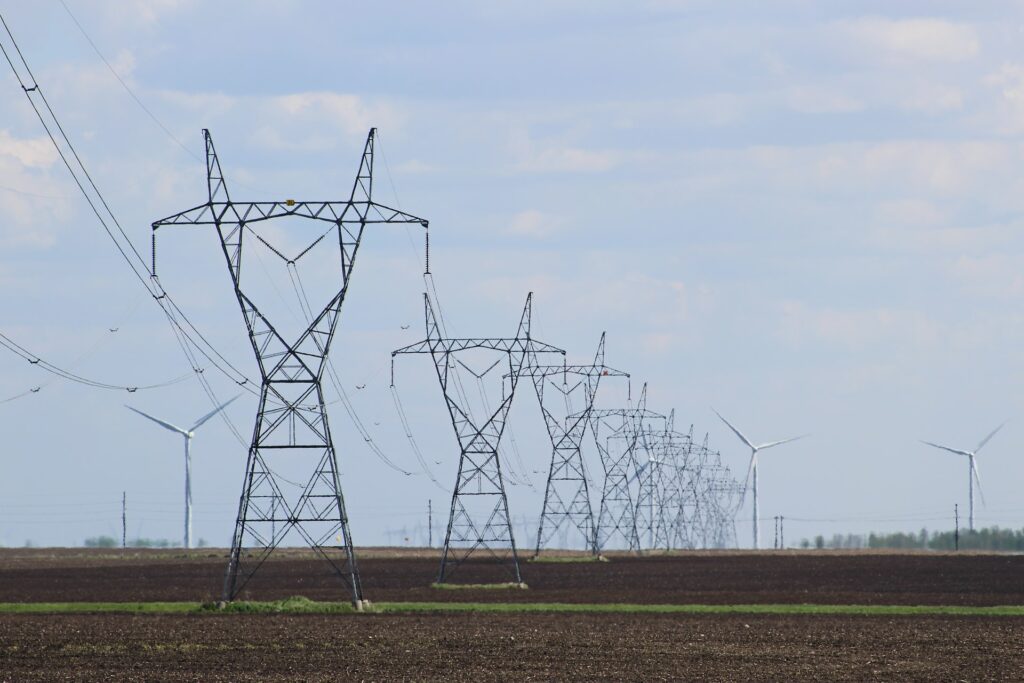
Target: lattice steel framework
x,y
617,433
693,496
479,517
567,493
291,421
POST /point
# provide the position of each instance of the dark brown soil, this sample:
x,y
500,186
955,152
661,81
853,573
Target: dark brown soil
x,y
849,578
487,647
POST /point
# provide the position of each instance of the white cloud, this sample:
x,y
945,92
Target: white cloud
x,y
821,100
557,157
350,112
930,98
900,168
1008,113
29,152
533,223
415,166
140,13
996,275
857,329
30,201
930,40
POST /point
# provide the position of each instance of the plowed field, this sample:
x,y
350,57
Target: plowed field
x,y
535,646
709,578
480,647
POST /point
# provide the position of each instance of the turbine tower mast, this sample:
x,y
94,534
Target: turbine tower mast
x,y
188,434
752,470
972,472
291,421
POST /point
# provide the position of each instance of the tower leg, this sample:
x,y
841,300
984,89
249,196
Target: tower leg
x,y
295,430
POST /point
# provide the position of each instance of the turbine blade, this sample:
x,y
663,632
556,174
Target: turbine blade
x,y
977,478
735,431
779,443
986,439
165,425
945,448
199,423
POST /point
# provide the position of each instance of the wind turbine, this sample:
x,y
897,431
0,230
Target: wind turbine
x,y
752,469
188,434
972,473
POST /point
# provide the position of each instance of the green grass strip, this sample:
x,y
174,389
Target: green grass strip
x,y
615,608
511,585
305,606
560,559
87,607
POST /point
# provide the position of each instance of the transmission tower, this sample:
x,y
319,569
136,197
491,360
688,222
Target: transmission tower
x,y
567,494
479,517
617,449
291,421
667,469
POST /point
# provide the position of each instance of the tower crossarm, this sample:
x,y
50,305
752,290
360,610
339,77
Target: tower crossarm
x,y
580,370
508,345
214,213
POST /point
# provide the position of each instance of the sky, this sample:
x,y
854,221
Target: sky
x,y
804,215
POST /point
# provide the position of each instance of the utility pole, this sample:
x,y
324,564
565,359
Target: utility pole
x,y
776,519
956,532
430,523
124,521
782,532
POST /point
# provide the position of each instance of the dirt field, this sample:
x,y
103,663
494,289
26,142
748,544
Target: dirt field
x,y
711,578
541,646
490,647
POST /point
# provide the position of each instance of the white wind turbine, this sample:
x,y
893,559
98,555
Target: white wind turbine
x,y
188,434
752,469
972,472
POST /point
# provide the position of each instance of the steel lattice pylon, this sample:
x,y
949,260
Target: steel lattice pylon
x,y
474,522
619,498
291,421
567,494
690,496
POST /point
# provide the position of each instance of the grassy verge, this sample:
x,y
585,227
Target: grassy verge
x,y
305,606
560,559
597,608
85,607
511,585
295,605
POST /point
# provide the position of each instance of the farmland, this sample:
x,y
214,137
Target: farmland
x,y
756,625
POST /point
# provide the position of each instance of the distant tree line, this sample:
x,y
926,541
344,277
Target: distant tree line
x,y
111,542
989,538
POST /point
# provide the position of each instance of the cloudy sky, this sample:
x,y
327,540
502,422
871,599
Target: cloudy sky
x,y
806,215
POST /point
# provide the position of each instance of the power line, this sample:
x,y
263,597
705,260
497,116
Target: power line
x,y
43,364
127,88
185,332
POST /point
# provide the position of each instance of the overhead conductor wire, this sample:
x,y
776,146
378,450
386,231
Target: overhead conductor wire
x,y
188,337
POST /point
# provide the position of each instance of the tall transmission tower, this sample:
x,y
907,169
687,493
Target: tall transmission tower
x,y
567,494
617,449
291,423
479,517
